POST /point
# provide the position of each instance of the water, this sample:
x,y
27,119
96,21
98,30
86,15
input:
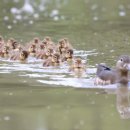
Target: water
x,y
37,98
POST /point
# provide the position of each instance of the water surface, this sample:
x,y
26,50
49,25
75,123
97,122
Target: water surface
x,y
37,98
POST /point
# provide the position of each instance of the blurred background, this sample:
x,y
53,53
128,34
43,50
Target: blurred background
x,y
98,28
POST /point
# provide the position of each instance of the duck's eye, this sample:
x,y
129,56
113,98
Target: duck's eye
x,y
121,59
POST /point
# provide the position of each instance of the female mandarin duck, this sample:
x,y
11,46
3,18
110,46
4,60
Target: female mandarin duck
x,y
106,75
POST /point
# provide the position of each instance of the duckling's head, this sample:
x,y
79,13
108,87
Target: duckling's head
x,y
10,41
47,41
5,49
78,63
36,40
14,45
62,43
23,55
49,52
47,38
69,53
55,57
32,48
42,46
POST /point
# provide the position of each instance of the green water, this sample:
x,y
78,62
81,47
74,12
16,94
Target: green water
x,y
101,27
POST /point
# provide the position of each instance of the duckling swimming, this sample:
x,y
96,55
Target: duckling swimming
x,y
53,61
78,68
41,51
68,56
106,75
32,50
23,56
48,54
5,52
62,47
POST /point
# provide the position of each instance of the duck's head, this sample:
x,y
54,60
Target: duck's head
x,y
123,63
123,66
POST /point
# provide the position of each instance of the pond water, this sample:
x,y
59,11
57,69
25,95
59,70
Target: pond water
x,y
37,98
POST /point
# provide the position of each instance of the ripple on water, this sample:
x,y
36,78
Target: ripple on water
x,y
52,76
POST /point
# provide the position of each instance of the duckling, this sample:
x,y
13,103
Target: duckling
x,y
68,56
53,61
62,47
14,53
49,43
78,67
23,56
41,52
5,52
11,43
48,54
106,75
32,50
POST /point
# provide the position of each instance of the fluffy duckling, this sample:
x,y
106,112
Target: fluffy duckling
x,y
32,50
5,52
78,67
11,43
106,75
49,43
62,47
53,61
48,54
68,56
41,52
23,56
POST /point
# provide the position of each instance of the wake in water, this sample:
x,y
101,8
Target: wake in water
x,y
36,60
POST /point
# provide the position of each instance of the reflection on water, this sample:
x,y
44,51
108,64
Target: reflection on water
x,y
36,98
122,101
